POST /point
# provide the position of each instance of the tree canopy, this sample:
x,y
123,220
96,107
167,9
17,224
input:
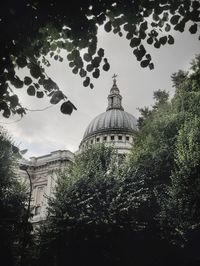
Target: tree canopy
x,y
34,31
13,199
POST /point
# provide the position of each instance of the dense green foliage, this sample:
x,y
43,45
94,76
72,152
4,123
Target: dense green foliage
x,y
12,204
97,209
32,31
167,148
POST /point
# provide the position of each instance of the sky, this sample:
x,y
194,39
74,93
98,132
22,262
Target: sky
x,y
41,132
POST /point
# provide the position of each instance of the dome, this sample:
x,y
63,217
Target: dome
x,y
114,127
110,121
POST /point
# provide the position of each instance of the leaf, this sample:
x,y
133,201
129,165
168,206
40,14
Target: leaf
x,y
35,71
106,66
87,57
90,68
86,82
108,26
101,52
193,28
75,70
27,81
151,66
144,26
163,40
17,83
21,61
174,19
157,44
40,94
13,101
82,73
129,36
31,90
144,63
167,27
57,97
96,61
67,108
91,86
135,42
150,40
96,73
148,56
170,39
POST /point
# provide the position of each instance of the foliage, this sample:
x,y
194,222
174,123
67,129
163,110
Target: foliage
x,y
96,206
12,203
33,31
167,149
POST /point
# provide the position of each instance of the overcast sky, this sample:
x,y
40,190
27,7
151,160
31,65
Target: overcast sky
x,y
49,130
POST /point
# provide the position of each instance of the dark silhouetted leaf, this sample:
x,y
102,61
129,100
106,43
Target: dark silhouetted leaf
x,y
56,97
40,94
135,42
86,82
35,71
151,66
91,86
31,90
163,40
106,66
67,108
174,19
21,62
108,26
96,73
101,52
170,39
150,40
13,101
89,67
193,28
157,44
96,61
167,27
82,73
27,81
87,57
144,63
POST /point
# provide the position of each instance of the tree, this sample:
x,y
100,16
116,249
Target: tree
x,y
94,215
12,203
180,209
166,149
38,30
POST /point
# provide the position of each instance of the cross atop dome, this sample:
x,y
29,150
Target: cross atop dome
x,y
114,98
114,79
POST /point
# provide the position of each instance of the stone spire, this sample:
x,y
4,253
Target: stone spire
x,y
114,98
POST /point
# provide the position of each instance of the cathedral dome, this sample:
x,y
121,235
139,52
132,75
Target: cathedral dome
x,y
111,120
115,126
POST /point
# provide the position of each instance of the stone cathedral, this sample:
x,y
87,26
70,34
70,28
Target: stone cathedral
x,y
113,127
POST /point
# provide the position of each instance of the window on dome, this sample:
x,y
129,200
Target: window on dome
x,y
105,138
112,137
91,141
119,137
127,138
98,139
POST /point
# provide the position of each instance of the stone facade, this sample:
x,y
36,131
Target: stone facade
x,y
43,172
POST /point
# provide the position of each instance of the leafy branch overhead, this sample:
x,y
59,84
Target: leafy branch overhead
x,y
33,31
